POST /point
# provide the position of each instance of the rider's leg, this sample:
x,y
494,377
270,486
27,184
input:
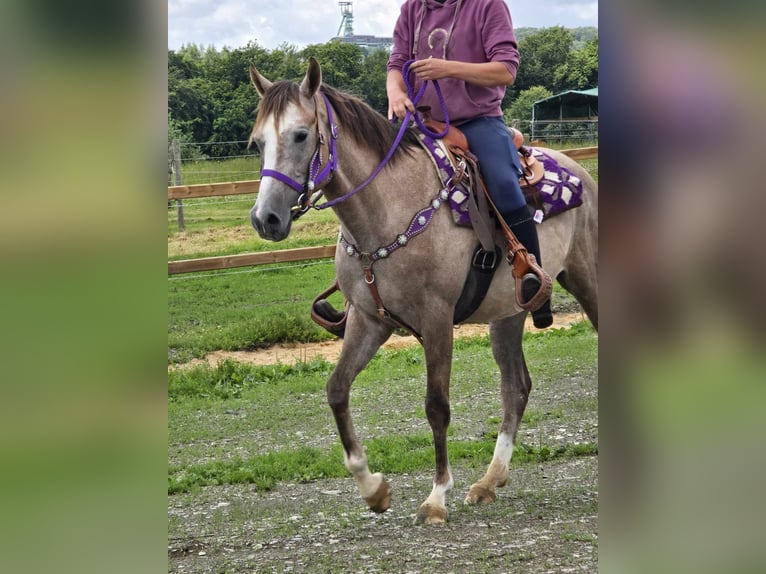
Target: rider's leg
x,y
492,144
523,227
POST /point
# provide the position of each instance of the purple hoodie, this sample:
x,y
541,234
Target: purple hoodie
x,y
483,32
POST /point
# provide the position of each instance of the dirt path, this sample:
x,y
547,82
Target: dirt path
x,y
292,353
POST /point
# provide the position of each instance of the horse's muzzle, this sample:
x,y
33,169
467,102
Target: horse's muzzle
x,y
269,225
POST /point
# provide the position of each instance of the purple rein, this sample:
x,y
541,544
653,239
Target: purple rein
x,y
416,99
316,180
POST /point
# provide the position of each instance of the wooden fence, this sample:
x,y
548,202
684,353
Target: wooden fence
x,y
180,192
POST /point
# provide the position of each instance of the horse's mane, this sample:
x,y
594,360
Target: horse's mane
x,y
365,125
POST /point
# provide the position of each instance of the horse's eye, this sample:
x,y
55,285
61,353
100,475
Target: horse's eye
x,y
301,137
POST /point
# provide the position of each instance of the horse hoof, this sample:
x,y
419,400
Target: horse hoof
x,y
480,495
381,500
428,514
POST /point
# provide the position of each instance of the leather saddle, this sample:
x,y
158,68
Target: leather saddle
x,y
533,169
518,257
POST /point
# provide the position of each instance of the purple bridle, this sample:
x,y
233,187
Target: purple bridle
x,y
307,198
316,178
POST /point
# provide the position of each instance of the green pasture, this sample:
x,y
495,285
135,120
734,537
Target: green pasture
x,y
244,309
261,425
256,307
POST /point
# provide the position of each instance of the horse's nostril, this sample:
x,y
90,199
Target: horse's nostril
x,y
273,220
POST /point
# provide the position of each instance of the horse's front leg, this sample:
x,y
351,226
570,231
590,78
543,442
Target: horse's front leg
x,y
364,336
437,343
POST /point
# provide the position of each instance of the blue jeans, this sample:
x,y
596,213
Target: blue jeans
x,y
490,141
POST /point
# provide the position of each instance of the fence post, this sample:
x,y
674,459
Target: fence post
x,y
175,152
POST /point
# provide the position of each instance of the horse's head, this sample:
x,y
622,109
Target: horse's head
x,y
286,132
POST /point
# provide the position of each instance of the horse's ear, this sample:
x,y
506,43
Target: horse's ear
x,y
312,81
261,84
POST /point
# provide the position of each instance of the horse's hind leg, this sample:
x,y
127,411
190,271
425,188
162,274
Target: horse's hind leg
x,y
515,385
364,336
581,281
580,274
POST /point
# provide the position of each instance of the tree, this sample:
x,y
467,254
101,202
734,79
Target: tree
x,y
192,105
341,62
581,71
521,109
210,98
371,83
544,56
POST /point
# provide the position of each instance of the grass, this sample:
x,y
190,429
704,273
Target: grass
x,y
244,310
220,170
221,226
390,455
238,423
254,308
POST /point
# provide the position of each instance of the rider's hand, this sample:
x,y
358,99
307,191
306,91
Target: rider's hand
x,y
432,69
398,101
399,104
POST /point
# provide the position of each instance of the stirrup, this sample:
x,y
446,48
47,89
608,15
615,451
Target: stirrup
x,y
543,292
327,316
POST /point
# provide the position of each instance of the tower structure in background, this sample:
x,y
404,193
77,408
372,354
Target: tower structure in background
x,y
367,43
347,22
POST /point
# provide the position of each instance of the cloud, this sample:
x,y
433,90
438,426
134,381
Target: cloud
x,y
302,22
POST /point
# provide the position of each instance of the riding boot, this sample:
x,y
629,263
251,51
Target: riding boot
x,y
523,227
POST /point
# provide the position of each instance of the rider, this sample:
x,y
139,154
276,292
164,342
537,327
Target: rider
x,y
469,46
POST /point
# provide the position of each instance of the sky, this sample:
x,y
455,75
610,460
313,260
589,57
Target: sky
x,y
233,23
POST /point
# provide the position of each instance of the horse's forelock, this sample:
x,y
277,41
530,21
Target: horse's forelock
x,y
276,100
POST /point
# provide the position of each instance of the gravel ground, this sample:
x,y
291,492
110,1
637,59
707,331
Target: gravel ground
x,y
544,520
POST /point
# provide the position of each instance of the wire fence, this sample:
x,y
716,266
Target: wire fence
x,y
258,269
219,158
204,151
213,143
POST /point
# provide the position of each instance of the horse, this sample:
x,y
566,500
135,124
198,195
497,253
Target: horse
x,y
312,136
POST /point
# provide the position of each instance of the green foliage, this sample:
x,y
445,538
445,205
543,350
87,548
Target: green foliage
x,y
371,83
210,98
521,109
341,62
581,71
551,58
581,34
544,56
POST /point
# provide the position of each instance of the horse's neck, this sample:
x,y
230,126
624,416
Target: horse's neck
x,y
384,208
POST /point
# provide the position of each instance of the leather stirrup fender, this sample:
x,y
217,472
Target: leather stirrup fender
x,y
522,262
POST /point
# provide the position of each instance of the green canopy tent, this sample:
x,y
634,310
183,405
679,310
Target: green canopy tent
x,y
574,113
